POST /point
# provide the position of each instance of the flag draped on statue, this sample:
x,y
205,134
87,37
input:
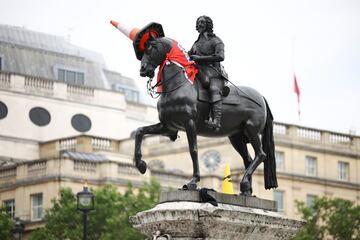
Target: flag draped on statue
x,y
297,91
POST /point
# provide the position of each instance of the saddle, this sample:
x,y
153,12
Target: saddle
x,y
203,78
232,98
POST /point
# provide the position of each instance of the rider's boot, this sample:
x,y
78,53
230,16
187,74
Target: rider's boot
x,y
217,111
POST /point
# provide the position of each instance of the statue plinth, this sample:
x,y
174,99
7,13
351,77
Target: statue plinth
x,y
183,217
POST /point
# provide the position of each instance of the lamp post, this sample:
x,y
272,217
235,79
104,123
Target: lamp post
x,y
18,229
85,203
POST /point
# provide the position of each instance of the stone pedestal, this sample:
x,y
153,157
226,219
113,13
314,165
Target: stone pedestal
x,y
181,216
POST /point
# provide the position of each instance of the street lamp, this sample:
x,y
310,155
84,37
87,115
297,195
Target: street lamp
x,y
18,229
85,203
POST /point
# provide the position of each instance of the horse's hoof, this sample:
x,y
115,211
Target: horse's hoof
x,y
189,186
246,193
173,137
141,166
245,188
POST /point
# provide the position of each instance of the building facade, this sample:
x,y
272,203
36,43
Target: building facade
x,y
69,121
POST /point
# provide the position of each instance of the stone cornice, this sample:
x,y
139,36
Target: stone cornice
x,y
315,147
58,99
301,179
279,141
19,140
67,178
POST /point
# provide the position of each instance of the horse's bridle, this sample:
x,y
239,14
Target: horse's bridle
x,y
151,89
155,94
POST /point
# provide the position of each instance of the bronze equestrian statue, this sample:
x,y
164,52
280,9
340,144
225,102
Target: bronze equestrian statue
x,y
208,52
246,116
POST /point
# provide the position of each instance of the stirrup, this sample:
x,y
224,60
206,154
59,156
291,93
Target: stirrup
x,y
213,125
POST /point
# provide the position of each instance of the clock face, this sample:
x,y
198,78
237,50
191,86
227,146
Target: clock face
x,y
211,160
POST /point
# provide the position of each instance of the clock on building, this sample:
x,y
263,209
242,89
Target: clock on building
x,y
211,160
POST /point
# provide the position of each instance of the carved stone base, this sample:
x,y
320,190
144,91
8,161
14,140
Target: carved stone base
x,y
183,220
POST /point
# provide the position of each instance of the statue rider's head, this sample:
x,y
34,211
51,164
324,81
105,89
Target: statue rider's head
x,y
204,24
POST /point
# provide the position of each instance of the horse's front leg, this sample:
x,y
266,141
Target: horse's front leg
x,y
192,140
139,134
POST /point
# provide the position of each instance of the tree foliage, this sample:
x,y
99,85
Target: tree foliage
x,y
6,224
108,221
337,218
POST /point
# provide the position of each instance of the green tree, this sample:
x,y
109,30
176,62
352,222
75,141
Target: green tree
x,y
109,220
6,224
337,218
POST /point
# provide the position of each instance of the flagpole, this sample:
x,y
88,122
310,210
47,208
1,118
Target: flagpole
x,y
293,54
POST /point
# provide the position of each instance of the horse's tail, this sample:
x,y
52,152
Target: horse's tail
x,y
269,149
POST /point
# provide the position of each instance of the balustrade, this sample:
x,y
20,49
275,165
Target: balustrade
x,y
5,81
7,176
280,129
101,144
68,144
38,83
309,134
80,91
340,139
125,169
85,166
36,168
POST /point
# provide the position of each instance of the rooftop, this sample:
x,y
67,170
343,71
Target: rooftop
x,y
42,55
41,41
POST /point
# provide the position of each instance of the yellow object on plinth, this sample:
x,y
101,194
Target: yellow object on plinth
x,y
227,186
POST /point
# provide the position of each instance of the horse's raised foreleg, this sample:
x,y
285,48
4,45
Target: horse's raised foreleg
x,y
156,129
192,140
254,138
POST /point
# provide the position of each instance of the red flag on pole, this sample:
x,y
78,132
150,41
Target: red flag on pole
x,y
297,91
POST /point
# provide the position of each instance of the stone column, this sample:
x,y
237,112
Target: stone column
x,y
180,215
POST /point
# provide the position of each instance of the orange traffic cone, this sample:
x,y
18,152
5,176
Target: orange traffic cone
x,y
140,36
130,33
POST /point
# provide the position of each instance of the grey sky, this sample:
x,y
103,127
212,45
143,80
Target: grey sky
x,y
265,42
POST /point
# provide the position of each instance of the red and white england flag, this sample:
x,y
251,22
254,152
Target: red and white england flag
x,y
297,91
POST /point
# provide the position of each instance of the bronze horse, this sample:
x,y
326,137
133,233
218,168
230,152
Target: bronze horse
x,y
250,121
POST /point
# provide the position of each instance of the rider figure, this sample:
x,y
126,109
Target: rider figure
x,y
208,52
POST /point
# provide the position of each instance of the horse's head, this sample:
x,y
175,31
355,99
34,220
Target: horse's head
x,y
154,54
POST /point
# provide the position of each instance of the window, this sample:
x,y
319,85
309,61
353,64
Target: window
x,y
310,199
279,156
10,207
130,94
343,171
310,166
81,122
39,116
279,199
36,206
3,110
72,77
